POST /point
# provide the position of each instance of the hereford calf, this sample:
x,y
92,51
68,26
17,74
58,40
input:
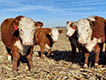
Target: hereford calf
x,y
72,34
93,37
17,35
45,37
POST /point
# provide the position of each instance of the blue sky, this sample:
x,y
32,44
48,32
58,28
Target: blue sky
x,y
52,13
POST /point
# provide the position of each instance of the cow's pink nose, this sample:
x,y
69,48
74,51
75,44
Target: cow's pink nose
x,y
54,41
82,41
28,43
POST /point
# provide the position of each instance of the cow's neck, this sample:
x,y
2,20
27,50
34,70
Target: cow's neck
x,y
50,39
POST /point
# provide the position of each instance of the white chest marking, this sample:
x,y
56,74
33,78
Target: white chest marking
x,y
22,49
47,46
91,44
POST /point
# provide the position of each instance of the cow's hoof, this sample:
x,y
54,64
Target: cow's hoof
x,y
48,56
30,70
85,66
42,56
9,58
96,65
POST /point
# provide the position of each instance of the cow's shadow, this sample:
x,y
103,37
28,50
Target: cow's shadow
x,y
78,57
23,59
67,56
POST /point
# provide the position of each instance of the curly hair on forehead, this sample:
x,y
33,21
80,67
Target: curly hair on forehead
x,y
38,23
16,20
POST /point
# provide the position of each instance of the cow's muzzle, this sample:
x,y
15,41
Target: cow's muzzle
x,y
82,41
55,41
28,43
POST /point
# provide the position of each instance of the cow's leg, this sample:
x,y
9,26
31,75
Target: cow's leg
x,y
82,54
73,51
9,51
16,57
49,52
86,60
9,54
101,52
48,49
29,58
42,47
97,52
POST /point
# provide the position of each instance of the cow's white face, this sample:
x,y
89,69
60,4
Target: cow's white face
x,y
70,29
84,31
54,34
26,31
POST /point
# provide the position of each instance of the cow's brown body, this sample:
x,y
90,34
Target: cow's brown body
x,y
99,28
10,36
9,39
43,38
7,32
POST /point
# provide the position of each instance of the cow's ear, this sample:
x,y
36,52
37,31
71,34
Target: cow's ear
x,y
60,31
15,23
16,30
67,22
15,27
38,24
73,26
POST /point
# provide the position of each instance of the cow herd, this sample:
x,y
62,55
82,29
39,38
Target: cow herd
x,y
22,33
87,34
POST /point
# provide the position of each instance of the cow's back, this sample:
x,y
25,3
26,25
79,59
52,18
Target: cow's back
x,y
7,32
99,28
40,35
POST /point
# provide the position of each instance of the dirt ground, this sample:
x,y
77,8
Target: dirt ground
x,y
57,67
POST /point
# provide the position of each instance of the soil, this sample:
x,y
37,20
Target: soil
x,y
59,66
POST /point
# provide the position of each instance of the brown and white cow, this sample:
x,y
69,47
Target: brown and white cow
x,y
72,34
91,34
45,37
17,35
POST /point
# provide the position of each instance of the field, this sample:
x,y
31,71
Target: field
x,y
57,67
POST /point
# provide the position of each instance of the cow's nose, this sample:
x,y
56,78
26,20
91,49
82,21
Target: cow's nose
x,y
82,41
55,41
28,43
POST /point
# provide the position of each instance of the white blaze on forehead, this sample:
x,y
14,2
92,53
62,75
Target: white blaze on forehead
x,y
55,34
70,31
26,30
84,31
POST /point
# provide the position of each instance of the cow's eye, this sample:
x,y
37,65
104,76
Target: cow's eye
x,y
87,29
33,30
20,30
